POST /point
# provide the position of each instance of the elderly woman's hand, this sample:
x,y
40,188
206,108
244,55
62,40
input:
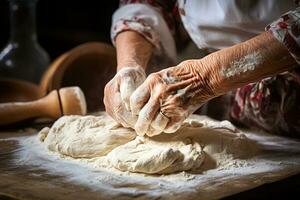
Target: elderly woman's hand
x,y
133,54
168,97
117,93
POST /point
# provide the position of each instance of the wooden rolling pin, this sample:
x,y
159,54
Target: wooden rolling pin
x,y
65,101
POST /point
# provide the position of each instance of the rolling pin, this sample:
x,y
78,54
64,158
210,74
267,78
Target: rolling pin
x,y
65,101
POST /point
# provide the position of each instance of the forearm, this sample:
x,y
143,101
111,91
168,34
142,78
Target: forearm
x,y
247,62
132,50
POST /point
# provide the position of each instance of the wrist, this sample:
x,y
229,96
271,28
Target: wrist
x,y
136,72
128,65
132,50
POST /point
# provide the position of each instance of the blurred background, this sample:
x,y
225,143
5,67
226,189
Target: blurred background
x,y
62,25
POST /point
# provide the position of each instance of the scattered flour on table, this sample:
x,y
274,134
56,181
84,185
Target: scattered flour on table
x,y
231,162
200,144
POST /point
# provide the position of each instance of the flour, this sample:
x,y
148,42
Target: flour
x,y
159,123
131,78
118,91
111,146
163,102
242,65
228,167
168,79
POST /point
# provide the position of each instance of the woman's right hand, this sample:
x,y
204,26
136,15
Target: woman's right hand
x,y
133,54
117,94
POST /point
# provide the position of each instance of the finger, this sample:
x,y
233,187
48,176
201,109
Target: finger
x,y
160,122
153,132
120,113
127,87
127,118
109,99
173,125
139,98
118,117
146,115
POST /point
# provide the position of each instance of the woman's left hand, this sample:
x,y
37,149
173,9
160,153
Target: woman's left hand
x,y
168,97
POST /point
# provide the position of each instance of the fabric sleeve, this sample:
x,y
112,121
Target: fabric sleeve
x,y
287,30
149,22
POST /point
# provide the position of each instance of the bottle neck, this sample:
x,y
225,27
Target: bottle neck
x,y
22,21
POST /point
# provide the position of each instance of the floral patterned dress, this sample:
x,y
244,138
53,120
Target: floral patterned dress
x,y
273,104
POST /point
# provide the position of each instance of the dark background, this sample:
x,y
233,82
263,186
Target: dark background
x,y
63,24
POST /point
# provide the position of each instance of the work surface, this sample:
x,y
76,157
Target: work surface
x,y
30,179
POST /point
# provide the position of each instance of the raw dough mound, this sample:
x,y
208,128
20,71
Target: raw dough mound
x,y
200,144
85,137
157,157
215,137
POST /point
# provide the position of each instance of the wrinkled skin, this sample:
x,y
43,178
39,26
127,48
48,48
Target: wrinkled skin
x,y
117,94
168,97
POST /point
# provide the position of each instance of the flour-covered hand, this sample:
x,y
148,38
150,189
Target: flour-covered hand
x,y
117,94
168,97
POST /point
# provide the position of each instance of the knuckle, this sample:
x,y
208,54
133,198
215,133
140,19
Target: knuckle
x,y
189,62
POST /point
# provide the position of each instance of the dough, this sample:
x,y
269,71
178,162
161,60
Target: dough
x,y
85,137
198,141
157,157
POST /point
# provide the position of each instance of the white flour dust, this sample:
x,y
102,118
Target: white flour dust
x,y
131,78
124,83
231,162
113,146
245,64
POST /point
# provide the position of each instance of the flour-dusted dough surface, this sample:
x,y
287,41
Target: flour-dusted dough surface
x,y
157,157
85,137
277,158
198,145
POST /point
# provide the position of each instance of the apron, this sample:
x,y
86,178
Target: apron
x,y
217,24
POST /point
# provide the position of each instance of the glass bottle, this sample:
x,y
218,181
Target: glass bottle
x,y
23,58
